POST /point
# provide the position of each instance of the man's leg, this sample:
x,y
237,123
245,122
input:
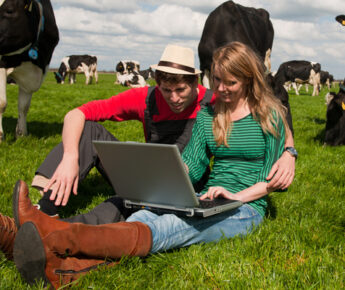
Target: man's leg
x,y
87,160
110,211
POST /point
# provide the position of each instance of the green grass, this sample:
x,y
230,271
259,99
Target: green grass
x,y
301,244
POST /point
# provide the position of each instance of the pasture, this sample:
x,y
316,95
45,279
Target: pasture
x,y
301,243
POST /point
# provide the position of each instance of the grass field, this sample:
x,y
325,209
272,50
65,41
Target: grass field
x,y
301,244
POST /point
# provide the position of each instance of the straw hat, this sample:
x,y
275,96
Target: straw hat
x,y
177,60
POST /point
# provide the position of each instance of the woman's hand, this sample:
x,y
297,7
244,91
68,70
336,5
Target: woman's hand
x,y
282,173
218,191
64,180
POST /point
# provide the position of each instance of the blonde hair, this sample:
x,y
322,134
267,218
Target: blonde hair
x,y
241,62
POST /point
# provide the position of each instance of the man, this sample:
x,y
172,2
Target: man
x,y
167,112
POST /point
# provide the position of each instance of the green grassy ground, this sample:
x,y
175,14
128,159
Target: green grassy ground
x,y
300,244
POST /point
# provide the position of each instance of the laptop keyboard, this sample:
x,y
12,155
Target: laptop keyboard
x,y
212,203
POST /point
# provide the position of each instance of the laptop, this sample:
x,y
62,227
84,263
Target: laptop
x,y
152,176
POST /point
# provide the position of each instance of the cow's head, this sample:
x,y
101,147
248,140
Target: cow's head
x,y
130,67
18,25
61,74
120,67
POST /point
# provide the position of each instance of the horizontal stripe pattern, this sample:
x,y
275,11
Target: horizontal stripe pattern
x,y
247,160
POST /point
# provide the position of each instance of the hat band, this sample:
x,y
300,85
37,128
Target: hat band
x,y
177,66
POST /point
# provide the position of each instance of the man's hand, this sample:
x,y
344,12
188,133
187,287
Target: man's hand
x,y
64,180
283,172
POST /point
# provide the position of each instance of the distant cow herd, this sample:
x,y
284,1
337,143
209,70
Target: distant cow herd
x,y
26,51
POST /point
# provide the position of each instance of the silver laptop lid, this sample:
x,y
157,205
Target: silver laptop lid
x,y
153,173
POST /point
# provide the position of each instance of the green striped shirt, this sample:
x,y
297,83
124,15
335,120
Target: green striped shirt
x,y
247,161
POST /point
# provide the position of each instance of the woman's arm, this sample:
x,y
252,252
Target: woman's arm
x,y
251,193
283,171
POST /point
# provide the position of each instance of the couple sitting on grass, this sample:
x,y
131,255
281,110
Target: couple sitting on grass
x,y
242,126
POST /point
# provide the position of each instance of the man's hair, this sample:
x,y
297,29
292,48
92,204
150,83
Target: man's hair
x,y
170,78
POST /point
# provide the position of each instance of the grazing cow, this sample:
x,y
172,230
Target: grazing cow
x,y
335,123
147,73
299,71
233,22
73,64
133,80
326,79
126,67
28,36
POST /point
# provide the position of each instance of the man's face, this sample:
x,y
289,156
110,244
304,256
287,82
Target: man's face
x,y
179,96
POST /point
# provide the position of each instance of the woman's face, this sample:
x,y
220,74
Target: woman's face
x,y
228,89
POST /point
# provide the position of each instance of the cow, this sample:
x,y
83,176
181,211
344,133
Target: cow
x,y
233,22
28,36
280,92
124,67
73,64
147,73
335,118
326,79
301,72
340,19
133,80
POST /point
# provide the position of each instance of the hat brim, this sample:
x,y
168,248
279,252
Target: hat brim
x,y
174,70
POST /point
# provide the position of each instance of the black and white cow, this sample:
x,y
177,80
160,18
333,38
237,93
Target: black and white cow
x,y
124,67
335,123
341,19
280,92
28,36
326,79
233,22
147,73
301,72
133,80
77,64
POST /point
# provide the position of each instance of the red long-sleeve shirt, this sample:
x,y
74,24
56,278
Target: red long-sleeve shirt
x,y
131,105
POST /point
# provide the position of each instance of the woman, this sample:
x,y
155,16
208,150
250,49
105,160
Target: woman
x,y
244,131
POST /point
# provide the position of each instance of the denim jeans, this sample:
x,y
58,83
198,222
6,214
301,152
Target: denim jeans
x,y
170,231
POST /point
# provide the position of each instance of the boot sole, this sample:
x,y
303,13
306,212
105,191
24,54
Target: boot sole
x,y
29,255
15,201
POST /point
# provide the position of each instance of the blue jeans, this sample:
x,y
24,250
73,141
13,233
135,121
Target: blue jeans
x,y
170,231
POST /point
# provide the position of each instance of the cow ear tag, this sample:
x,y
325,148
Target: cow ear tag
x,y
343,106
33,54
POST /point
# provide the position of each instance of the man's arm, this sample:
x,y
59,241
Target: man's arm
x,y
283,171
66,175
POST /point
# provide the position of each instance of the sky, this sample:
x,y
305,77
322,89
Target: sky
x,y
116,30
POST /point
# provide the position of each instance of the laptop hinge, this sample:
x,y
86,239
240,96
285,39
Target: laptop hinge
x,y
189,212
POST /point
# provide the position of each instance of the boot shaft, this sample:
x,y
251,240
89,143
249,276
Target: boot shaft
x,y
8,231
102,241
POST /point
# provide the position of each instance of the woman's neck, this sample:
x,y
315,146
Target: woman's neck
x,y
239,109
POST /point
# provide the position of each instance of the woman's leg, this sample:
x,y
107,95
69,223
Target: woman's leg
x,y
170,231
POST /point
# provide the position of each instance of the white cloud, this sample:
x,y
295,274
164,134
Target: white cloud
x,y
100,5
114,29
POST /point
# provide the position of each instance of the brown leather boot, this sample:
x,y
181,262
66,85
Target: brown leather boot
x,y
49,238
8,232
35,264
24,210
